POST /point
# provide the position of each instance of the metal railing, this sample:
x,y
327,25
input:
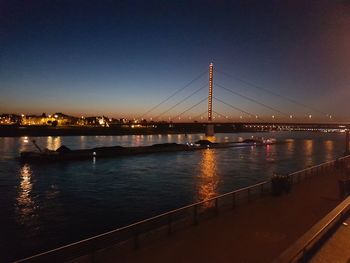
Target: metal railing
x,y
166,223
339,163
304,247
131,236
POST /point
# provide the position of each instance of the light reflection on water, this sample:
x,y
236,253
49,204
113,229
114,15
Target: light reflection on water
x,y
53,143
59,203
308,148
329,148
208,178
25,204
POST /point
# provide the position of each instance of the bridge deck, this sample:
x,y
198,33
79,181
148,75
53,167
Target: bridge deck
x,y
256,232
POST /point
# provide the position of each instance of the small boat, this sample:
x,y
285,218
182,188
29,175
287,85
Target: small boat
x,y
256,142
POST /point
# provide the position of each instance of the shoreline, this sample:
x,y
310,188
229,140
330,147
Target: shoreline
x,y
41,131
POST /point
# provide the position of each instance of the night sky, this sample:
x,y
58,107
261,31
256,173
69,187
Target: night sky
x,y
121,58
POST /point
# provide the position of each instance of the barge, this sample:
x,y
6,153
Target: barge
x,y
63,153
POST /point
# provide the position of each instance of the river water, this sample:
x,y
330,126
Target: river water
x,y
46,205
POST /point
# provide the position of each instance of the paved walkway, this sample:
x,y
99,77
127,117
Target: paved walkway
x,y
255,232
337,247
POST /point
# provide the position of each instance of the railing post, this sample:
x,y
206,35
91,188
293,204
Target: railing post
x,y
262,190
195,212
233,200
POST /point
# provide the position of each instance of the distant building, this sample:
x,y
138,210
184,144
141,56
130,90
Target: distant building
x,y
9,119
97,121
57,119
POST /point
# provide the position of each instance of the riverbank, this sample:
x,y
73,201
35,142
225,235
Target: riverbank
x,y
185,128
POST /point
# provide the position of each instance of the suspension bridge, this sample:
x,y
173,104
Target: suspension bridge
x,y
309,116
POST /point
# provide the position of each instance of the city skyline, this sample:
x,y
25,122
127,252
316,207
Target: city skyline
x,y
122,59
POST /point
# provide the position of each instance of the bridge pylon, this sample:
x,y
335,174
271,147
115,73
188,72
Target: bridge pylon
x,y
210,127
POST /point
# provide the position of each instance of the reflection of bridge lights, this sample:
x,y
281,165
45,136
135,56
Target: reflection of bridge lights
x,y
208,177
308,147
329,147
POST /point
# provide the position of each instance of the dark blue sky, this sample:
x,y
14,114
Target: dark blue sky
x,y
121,58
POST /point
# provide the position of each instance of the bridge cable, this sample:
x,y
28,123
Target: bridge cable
x,y
190,108
238,109
253,100
246,112
176,92
199,115
183,100
218,113
274,93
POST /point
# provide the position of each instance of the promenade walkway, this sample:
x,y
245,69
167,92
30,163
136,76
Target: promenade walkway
x,y
337,248
255,232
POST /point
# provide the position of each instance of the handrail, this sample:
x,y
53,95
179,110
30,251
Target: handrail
x,y
142,222
170,213
302,245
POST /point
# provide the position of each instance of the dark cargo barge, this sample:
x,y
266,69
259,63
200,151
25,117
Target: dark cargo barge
x,y
63,153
